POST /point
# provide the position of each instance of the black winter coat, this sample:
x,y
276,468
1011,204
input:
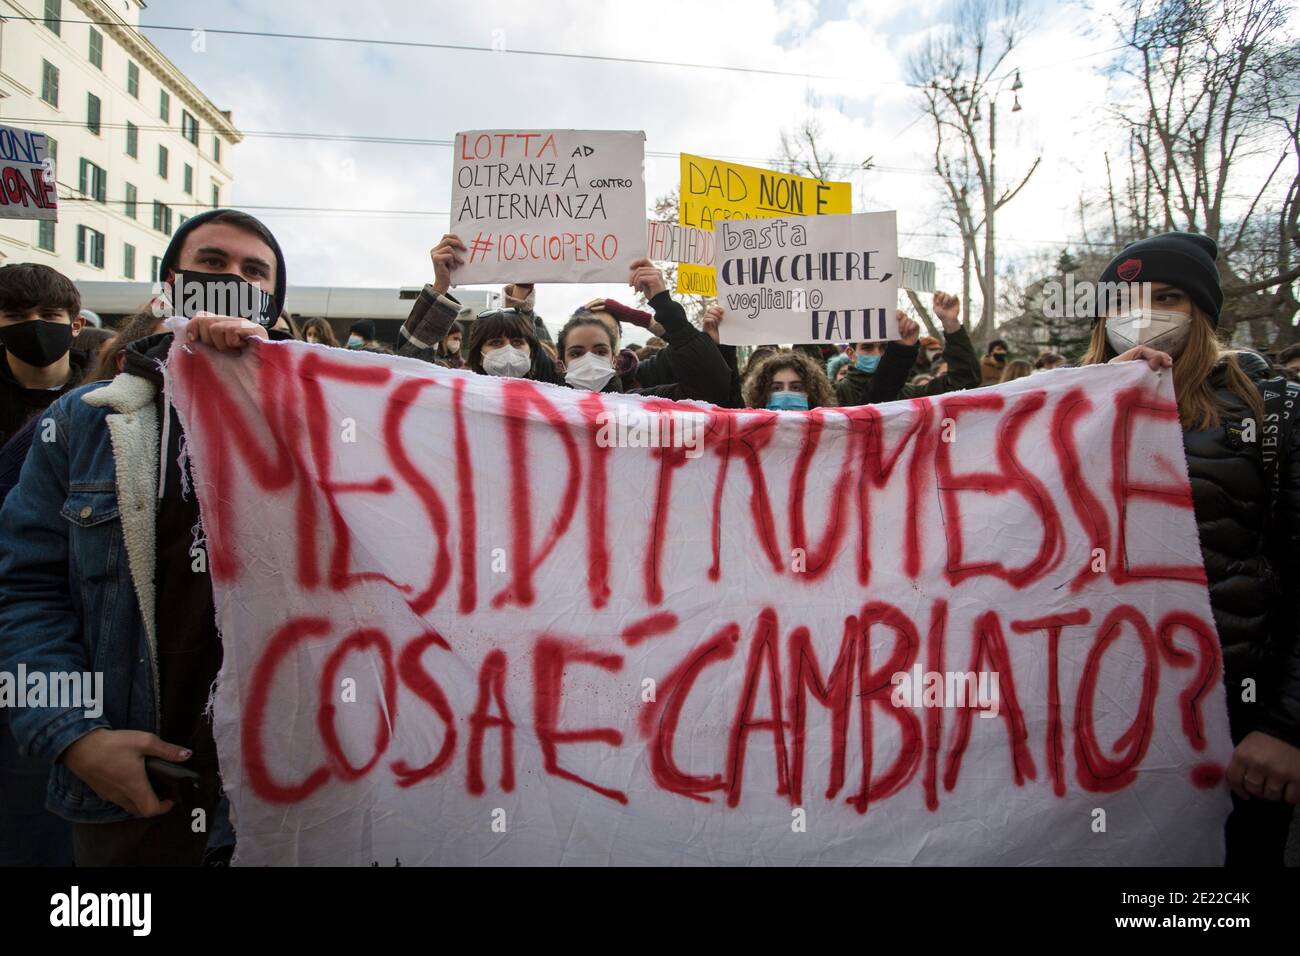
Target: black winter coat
x,y
691,366
1255,598
18,404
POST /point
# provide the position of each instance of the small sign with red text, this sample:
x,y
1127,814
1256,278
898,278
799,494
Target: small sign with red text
x,y
548,205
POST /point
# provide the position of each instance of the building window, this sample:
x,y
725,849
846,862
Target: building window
x,y
189,127
52,151
92,113
132,140
216,148
53,14
162,218
93,182
128,260
189,179
162,161
129,207
45,235
96,48
90,247
49,83
164,106
155,266
216,195
133,78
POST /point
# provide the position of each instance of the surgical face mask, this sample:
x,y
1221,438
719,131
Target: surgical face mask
x,y
867,363
787,402
589,371
1160,329
37,342
355,341
507,361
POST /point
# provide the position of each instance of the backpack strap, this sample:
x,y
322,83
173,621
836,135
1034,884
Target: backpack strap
x,y
1281,403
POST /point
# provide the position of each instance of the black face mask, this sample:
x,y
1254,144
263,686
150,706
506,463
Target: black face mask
x,y
37,342
221,293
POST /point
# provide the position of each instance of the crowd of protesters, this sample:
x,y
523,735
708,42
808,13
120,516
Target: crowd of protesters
x,y
97,525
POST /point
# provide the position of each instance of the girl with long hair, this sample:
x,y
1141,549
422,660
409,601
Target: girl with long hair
x,y
1248,532
788,381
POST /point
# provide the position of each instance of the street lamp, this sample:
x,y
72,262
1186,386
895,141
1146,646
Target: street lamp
x,y
989,258
990,186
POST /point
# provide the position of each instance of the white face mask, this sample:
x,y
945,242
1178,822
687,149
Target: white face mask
x,y
508,362
589,371
1159,329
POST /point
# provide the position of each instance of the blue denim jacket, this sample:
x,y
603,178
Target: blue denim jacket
x,y
79,523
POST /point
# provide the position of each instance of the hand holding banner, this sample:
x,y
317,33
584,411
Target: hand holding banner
x,y
887,634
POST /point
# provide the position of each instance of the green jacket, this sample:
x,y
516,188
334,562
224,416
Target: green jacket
x,y
889,381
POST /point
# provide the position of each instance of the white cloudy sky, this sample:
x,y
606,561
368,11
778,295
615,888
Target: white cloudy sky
x,y
866,109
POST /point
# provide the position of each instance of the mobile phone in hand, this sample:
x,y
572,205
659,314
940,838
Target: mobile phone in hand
x,y
169,780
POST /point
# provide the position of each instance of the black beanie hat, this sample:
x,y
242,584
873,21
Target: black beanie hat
x,y
189,225
364,328
1182,259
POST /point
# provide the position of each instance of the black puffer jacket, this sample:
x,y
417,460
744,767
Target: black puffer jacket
x,y
1255,600
691,366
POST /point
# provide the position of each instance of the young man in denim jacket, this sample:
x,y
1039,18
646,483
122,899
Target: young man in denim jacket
x,y
95,576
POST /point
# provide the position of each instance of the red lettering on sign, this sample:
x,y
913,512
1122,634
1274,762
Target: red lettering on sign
x,y
550,657
1097,772
423,685
491,683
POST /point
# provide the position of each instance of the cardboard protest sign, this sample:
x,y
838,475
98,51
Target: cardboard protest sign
x,y
27,184
548,205
813,279
480,620
670,242
712,190
916,274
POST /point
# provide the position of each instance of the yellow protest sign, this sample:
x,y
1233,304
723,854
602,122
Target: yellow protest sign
x,y
713,190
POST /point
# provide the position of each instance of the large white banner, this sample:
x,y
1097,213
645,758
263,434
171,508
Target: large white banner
x,y
559,205
813,279
472,620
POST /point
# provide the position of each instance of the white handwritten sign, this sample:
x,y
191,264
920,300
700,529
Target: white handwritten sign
x,y
548,205
916,274
826,637
672,242
808,279
27,184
